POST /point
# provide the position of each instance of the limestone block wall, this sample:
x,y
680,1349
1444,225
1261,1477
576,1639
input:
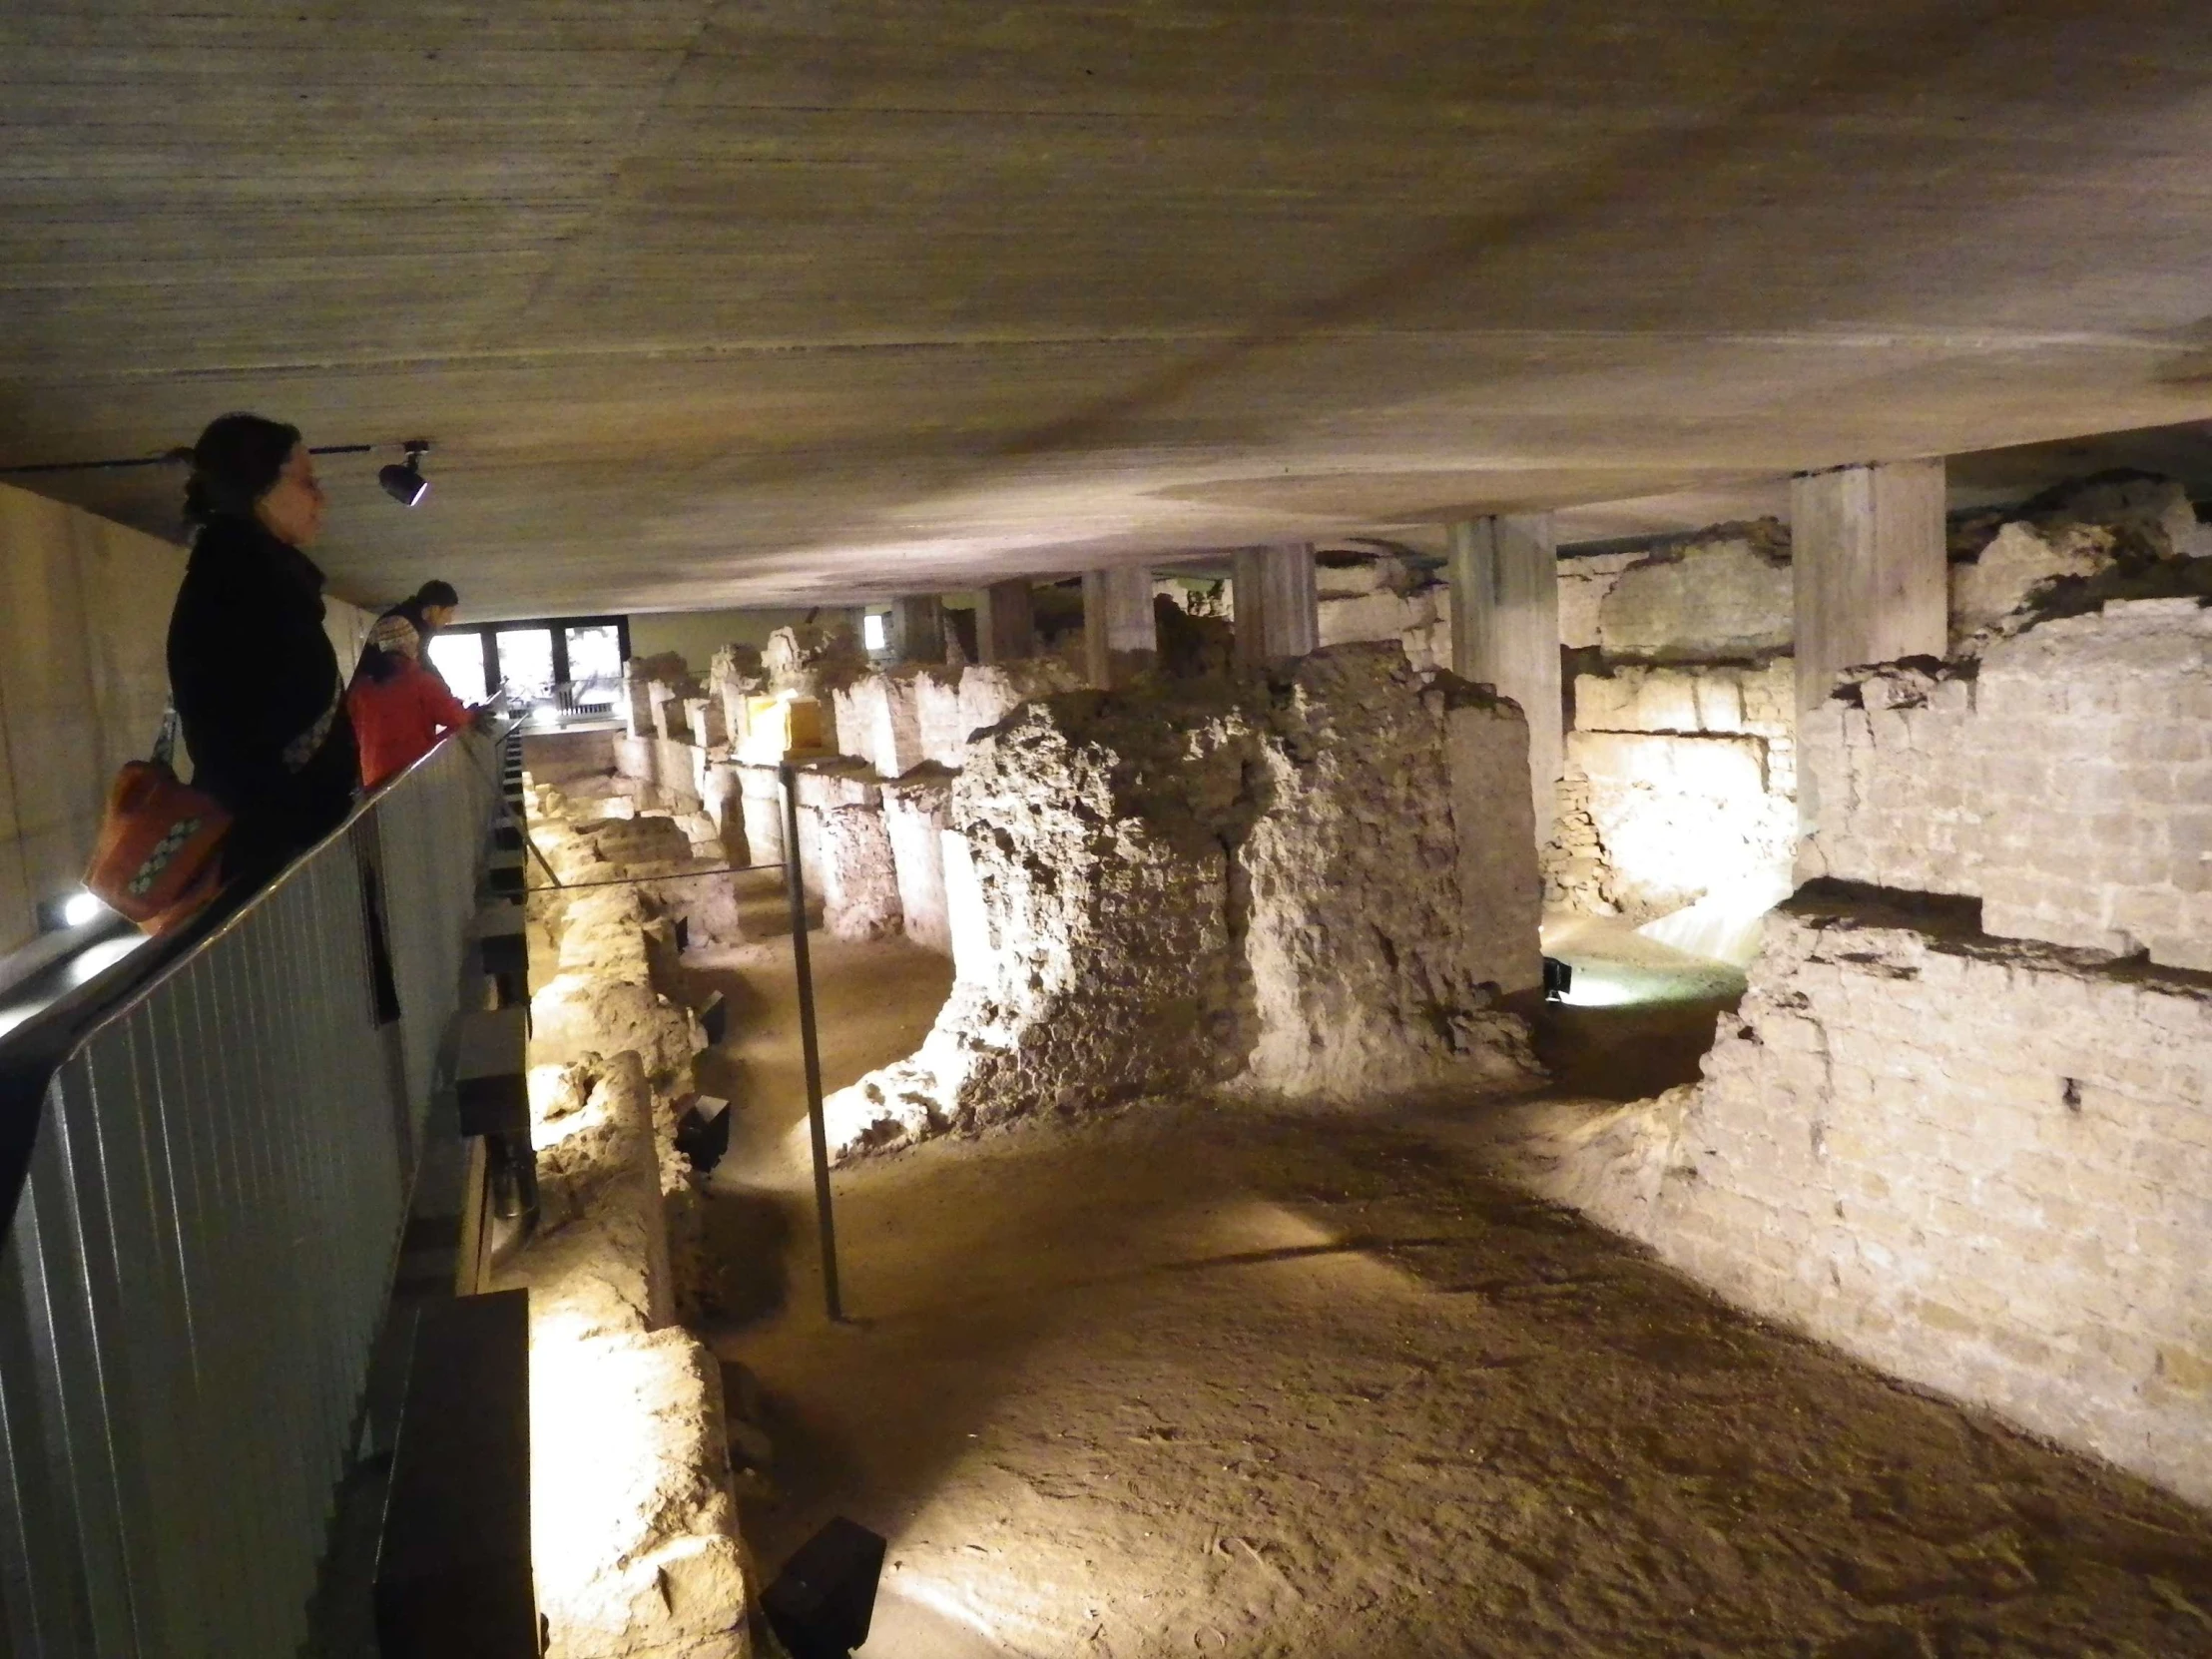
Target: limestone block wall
x,y
1683,782
635,1536
1681,770
1723,595
1386,597
1312,886
1584,581
1360,598
2065,779
916,809
1982,1164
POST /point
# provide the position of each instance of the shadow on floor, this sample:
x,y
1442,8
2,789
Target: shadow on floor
x,y
1202,1378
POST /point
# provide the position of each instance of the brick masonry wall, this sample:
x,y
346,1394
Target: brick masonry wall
x,y
2067,783
1982,1165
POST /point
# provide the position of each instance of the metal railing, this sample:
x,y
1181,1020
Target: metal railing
x,y
204,1237
573,702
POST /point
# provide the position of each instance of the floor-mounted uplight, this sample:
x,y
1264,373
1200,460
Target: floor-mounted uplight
x,y
824,1600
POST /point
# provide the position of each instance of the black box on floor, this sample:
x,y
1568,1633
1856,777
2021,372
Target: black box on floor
x,y
824,1600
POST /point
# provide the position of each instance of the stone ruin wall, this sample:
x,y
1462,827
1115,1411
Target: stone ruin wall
x,y
1982,1165
871,799
1969,1138
2064,778
636,1548
1362,596
1681,770
1319,885
1687,721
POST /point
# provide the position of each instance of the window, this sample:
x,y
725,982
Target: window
x,y
595,653
525,662
874,635
555,669
461,658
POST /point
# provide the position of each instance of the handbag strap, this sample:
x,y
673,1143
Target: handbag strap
x,y
165,739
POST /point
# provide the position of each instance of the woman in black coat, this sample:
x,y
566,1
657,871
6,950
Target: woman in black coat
x,y
256,682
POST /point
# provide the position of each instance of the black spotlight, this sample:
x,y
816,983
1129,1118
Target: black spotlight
x,y
405,484
702,1132
1558,979
823,1602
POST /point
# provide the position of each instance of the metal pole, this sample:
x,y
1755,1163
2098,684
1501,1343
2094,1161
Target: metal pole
x,y
795,883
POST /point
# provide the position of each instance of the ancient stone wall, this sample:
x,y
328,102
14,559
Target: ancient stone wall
x,y
916,811
1725,595
1681,773
1314,886
2066,779
635,1544
1978,1163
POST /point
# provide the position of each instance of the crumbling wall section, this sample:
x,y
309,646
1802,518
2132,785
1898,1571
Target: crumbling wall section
x,y
1681,770
2066,780
1978,1163
1183,886
636,1546
1365,971
916,809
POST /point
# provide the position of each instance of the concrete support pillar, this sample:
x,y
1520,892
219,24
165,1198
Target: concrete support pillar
x,y
917,628
1504,576
1278,604
1868,546
1119,636
1005,627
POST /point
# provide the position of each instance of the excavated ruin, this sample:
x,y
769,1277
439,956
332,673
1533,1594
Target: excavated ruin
x,y
1959,1124
636,1546
1311,885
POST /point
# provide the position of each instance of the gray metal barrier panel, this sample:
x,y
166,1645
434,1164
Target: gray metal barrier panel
x,y
201,1252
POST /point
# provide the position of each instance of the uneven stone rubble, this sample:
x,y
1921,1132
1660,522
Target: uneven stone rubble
x,y
1314,886
636,1545
1725,594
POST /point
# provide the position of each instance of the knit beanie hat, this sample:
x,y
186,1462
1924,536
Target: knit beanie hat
x,y
395,633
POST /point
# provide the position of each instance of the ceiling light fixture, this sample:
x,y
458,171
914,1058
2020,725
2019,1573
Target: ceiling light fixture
x,y
405,484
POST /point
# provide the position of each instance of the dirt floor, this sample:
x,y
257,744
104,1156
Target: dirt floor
x,y
1197,1379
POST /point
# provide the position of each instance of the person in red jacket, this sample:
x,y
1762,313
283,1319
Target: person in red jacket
x,y
399,708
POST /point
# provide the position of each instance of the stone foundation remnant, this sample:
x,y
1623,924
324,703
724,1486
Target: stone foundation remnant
x,y
1681,773
1962,1124
1682,781
635,1543
1316,885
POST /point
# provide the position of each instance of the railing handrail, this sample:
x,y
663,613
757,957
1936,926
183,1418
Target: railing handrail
x,y
31,1053
208,1196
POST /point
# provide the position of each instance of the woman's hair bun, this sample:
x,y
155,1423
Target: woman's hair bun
x,y
235,463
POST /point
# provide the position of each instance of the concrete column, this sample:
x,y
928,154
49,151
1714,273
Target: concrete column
x,y
1005,627
1868,547
917,628
1504,575
1278,605
1119,636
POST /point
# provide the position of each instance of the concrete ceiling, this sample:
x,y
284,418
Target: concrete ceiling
x,y
717,303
